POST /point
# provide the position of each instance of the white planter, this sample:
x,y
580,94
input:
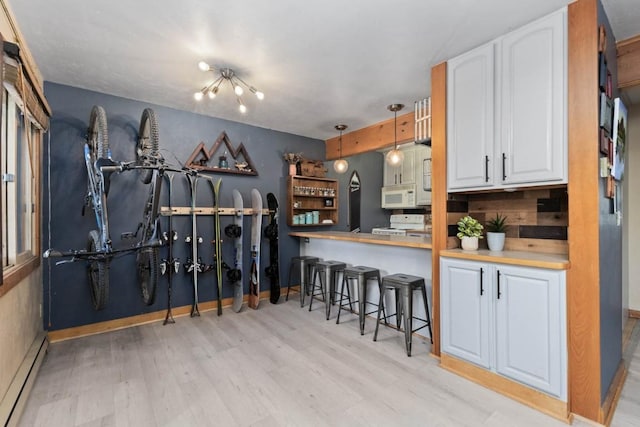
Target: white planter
x,y
495,241
469,243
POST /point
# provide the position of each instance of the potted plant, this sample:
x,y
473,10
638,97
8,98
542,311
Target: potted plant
x,y
292,159
469,231
496,228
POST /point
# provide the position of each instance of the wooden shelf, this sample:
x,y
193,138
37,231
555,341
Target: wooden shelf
x,y
308,194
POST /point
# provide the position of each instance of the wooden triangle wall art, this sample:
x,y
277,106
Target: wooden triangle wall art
x,y
229,160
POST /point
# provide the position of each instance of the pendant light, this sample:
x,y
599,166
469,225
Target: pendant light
x,y
340,165
395,156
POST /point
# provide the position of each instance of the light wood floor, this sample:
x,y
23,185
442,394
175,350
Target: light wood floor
x,y
279,365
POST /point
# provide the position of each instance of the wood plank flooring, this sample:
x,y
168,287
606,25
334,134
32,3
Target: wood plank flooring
x,y
279,365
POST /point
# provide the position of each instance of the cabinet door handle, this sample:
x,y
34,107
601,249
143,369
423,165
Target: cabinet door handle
x,y
481,284
400,178
504,161
499,293
486,168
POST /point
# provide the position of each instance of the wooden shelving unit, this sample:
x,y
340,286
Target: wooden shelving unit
x,y
308,194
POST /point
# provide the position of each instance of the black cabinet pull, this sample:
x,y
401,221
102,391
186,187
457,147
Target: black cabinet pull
x,y
481,278
400,178
504,161
486,168
499,293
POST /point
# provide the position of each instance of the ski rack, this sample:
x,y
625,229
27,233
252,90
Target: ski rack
x,y
186,210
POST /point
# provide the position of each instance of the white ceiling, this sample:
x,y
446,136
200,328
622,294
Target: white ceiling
x,y
319,63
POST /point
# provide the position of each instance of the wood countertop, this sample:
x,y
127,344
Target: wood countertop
x,y
526,259
374,239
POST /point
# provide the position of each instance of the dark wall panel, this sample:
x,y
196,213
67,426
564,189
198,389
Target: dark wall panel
x,y
610,255
66,292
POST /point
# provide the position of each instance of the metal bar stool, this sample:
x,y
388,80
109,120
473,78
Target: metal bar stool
x,y
405,285
328,273
362,275
304,266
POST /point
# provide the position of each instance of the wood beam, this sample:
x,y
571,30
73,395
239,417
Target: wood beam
x,y
583,278
438,188
629,62
371,138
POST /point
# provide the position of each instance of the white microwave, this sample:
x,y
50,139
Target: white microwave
x,y
399,196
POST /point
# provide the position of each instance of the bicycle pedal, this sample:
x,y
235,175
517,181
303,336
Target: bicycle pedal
x,y
127,235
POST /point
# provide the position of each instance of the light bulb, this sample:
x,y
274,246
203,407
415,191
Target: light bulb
x,y
238,90
340,166
203,66
198,96
259,95
242,108
211,94
394,157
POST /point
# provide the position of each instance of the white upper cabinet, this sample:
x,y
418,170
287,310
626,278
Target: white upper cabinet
x,y
470,103
532,111
506,110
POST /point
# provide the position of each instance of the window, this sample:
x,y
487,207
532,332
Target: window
x,y
19,156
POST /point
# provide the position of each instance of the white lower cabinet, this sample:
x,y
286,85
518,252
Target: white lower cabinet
x,y
507,319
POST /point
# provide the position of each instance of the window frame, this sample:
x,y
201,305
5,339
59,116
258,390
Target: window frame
x,y
26,263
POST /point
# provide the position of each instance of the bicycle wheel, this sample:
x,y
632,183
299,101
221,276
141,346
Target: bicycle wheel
x,y
147,264
147,149
98,274
98,139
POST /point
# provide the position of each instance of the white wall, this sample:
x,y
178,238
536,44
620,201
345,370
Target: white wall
x,y
631,234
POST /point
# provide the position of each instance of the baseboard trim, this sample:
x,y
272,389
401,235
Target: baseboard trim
x,y
613,395
634,313
140,319
523,394
15,399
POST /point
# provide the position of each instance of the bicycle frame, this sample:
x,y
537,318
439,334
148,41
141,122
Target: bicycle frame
x,y
97,198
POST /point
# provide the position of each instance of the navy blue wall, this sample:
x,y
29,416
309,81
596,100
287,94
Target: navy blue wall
x,y
610,256
66,293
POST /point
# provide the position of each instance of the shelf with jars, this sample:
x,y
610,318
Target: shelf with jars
x,y
312,201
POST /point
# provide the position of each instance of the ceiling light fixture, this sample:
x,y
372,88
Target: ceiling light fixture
x,y
395,156
340,165
226,75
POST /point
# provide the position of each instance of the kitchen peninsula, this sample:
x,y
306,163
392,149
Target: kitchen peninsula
x,y
390,254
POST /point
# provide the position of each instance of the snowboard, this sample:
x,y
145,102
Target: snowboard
x,y
354,203
256,232
271,233
234,231
215,188
194,264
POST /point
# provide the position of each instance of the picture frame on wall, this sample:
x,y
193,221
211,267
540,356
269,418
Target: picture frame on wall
x,y
606,110
604,142
619,138
602,59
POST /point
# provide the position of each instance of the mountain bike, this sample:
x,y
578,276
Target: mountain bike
x,y
100,166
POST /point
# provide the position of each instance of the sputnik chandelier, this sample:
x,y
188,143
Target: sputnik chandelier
x,y
225,75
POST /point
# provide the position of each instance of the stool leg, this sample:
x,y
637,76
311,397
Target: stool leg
x,y
398,307
407,302
344,279
289,281
303,282
380,304
313,286
362,301
426,310
327,291
383,312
